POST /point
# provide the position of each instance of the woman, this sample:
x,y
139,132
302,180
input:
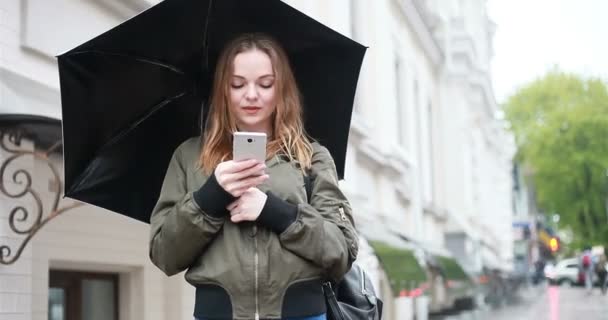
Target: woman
x,y
254,247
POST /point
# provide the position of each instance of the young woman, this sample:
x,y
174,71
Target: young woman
x,y
253,245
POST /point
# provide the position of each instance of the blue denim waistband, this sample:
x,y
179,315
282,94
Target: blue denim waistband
x,y
319,317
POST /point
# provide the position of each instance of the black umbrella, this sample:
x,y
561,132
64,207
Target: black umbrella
x,y
131,95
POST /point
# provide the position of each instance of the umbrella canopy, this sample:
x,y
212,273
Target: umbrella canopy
x,y
131,95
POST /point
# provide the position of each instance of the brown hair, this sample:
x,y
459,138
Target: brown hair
x,y
288,134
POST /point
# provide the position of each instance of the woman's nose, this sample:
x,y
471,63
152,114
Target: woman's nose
x,y
251,93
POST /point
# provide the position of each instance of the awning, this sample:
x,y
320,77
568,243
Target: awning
x,y
451,269
400,266
398,260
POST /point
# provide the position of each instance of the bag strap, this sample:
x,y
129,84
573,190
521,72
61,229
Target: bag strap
x,y
331,300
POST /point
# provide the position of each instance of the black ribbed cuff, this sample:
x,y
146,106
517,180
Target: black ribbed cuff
x,y
212,198
278,214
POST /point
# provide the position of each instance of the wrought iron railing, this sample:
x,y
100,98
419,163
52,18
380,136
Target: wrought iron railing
x,y
10,143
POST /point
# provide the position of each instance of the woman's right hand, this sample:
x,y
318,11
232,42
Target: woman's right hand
x,y
236,177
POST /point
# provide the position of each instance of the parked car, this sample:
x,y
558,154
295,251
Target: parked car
x,y
565,273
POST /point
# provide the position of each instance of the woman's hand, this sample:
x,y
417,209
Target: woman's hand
x,y
236,177
248,207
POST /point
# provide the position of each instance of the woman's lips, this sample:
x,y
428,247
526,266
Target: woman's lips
x,y
251,110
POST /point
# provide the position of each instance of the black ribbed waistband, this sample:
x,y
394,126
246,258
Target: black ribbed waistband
x,y
302,299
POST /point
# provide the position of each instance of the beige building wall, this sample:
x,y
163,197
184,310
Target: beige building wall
x,y
86,239
16,281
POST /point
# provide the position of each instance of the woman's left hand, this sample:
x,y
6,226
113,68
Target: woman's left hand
x,y
248,206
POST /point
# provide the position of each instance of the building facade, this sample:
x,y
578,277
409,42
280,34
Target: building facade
x,y
477,148
428,158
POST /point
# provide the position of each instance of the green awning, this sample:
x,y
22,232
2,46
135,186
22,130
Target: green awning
x,y
451,268
400,266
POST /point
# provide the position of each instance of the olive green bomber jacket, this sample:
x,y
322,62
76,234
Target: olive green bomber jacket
x,y
269,269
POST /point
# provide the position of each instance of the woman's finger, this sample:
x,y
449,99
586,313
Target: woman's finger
x,y
238,218
233,205
239,192
228,178
253,171
247,183
238,166
235,212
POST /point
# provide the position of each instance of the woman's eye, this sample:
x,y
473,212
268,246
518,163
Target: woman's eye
x,y
237,85
266,85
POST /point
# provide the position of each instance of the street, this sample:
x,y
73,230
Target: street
x,y
546,303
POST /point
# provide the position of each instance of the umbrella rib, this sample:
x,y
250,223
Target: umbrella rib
x,y
138,58
148,113
205,34
121,134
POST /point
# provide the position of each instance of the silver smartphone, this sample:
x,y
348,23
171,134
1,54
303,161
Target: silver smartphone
x,y
249,145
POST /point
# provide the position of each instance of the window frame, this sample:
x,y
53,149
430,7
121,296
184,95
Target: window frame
x,y
71,282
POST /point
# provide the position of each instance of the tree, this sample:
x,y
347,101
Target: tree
x,y
560,123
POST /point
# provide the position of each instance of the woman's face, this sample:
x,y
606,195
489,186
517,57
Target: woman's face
x,y
252,91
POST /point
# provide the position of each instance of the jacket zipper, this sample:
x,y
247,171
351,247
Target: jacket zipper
x,y
342,215
256,263
362,274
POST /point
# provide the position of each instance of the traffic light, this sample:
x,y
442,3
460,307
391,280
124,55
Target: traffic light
x,y
550,241
554,244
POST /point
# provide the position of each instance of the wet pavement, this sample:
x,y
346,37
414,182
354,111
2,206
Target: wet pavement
x,y
545,303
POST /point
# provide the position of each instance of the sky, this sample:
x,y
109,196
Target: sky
x,y
533,36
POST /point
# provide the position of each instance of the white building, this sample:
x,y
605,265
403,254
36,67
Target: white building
x,y
477,149
427,156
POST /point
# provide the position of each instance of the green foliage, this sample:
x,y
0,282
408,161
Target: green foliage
x,y
400,265
560,124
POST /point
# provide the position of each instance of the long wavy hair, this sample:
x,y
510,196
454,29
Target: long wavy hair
x,y
288,134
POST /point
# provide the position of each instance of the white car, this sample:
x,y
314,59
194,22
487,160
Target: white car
x,y
564,273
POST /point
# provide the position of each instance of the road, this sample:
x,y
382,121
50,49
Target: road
x,y
546,303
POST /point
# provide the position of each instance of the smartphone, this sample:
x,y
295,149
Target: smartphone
x,y
249,145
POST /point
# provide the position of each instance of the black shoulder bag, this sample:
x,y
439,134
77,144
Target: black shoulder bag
x,y
353,298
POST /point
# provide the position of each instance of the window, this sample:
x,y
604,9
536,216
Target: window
x,y
82,296
400,119
430,174
416,116
57,303
425,137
